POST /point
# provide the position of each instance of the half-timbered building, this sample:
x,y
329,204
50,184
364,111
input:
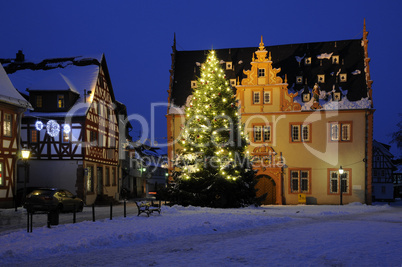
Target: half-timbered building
x,y
383,169
12,107
73,130
307,110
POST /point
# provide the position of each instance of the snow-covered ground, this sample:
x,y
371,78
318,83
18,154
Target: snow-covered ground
x,y
349,235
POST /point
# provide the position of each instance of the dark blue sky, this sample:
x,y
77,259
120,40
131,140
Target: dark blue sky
x,y
136,37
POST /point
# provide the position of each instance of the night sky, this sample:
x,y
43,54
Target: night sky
x,y
136,38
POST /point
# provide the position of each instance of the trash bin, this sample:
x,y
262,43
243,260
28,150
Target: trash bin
x,y
53,217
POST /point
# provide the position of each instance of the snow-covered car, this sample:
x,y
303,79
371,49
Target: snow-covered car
x,y
52,199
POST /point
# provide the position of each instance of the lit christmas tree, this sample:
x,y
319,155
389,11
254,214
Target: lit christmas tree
x,y
214,166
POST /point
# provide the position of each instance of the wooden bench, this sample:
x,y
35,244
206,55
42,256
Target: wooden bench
x,y
148,207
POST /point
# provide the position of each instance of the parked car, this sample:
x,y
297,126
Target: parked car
x,y
52,199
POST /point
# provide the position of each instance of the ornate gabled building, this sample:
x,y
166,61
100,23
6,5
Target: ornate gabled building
x,y
383,172
73,131
307,109
12,108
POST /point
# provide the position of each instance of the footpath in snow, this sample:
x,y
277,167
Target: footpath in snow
x,y
353,234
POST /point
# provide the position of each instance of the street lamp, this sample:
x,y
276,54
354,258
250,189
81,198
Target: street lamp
x,y
340,183
25,153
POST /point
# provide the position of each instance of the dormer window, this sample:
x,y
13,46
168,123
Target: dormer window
x,y
261,72
232,82
321,78
193,84
299,79
343,77
229,65
60,101
39,101
335,59
307,61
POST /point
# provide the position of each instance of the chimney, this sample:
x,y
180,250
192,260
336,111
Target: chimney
x,y
19,57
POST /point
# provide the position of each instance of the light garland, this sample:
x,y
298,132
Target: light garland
x,y
52,128
38,125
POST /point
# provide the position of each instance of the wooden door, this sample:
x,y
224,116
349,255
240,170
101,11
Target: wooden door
x,y
266,186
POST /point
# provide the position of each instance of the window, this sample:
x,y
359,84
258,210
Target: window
x,y
229,65
1,174
232,82
341,131
39,101
343,77
261,72
337,96
262,133
66,137
300,132
299,79
267,97
321,78
34,136
307,61
256,97
107,177
90,178
334,181
300,181
8,125
93,137
193,84
335,59
114,176
60,101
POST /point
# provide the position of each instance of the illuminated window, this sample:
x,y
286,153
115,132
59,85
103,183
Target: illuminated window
x,y
262,133
60,101
343,77
34,136
39,101
261,72
300,132
66,137
307,61
8,125
335,59
256,97
334,181
232,82
299,79
300,181
321,78
229,65
341,131
267,97
193,84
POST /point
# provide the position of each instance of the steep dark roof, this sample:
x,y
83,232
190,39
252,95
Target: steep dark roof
x,y
351,60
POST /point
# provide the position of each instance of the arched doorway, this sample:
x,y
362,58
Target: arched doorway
x,y
266,185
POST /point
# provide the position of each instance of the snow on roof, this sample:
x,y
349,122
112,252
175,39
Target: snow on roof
x,y
8,93
75,74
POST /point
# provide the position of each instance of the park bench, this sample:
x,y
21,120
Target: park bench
x,y
148,207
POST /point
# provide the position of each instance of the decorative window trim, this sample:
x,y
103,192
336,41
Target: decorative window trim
x,y
343,77
332,177
229,65
335,59
269,94
256,98
306,97
307,61
193,84
232,82
336,96
321,78
301,135
299,79
262,133
298,175
341,131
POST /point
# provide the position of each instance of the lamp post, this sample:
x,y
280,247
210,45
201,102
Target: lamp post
x,y
340,183
25,153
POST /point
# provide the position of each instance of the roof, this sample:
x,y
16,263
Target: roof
x,y
74,74
383,148
9,94
291,60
